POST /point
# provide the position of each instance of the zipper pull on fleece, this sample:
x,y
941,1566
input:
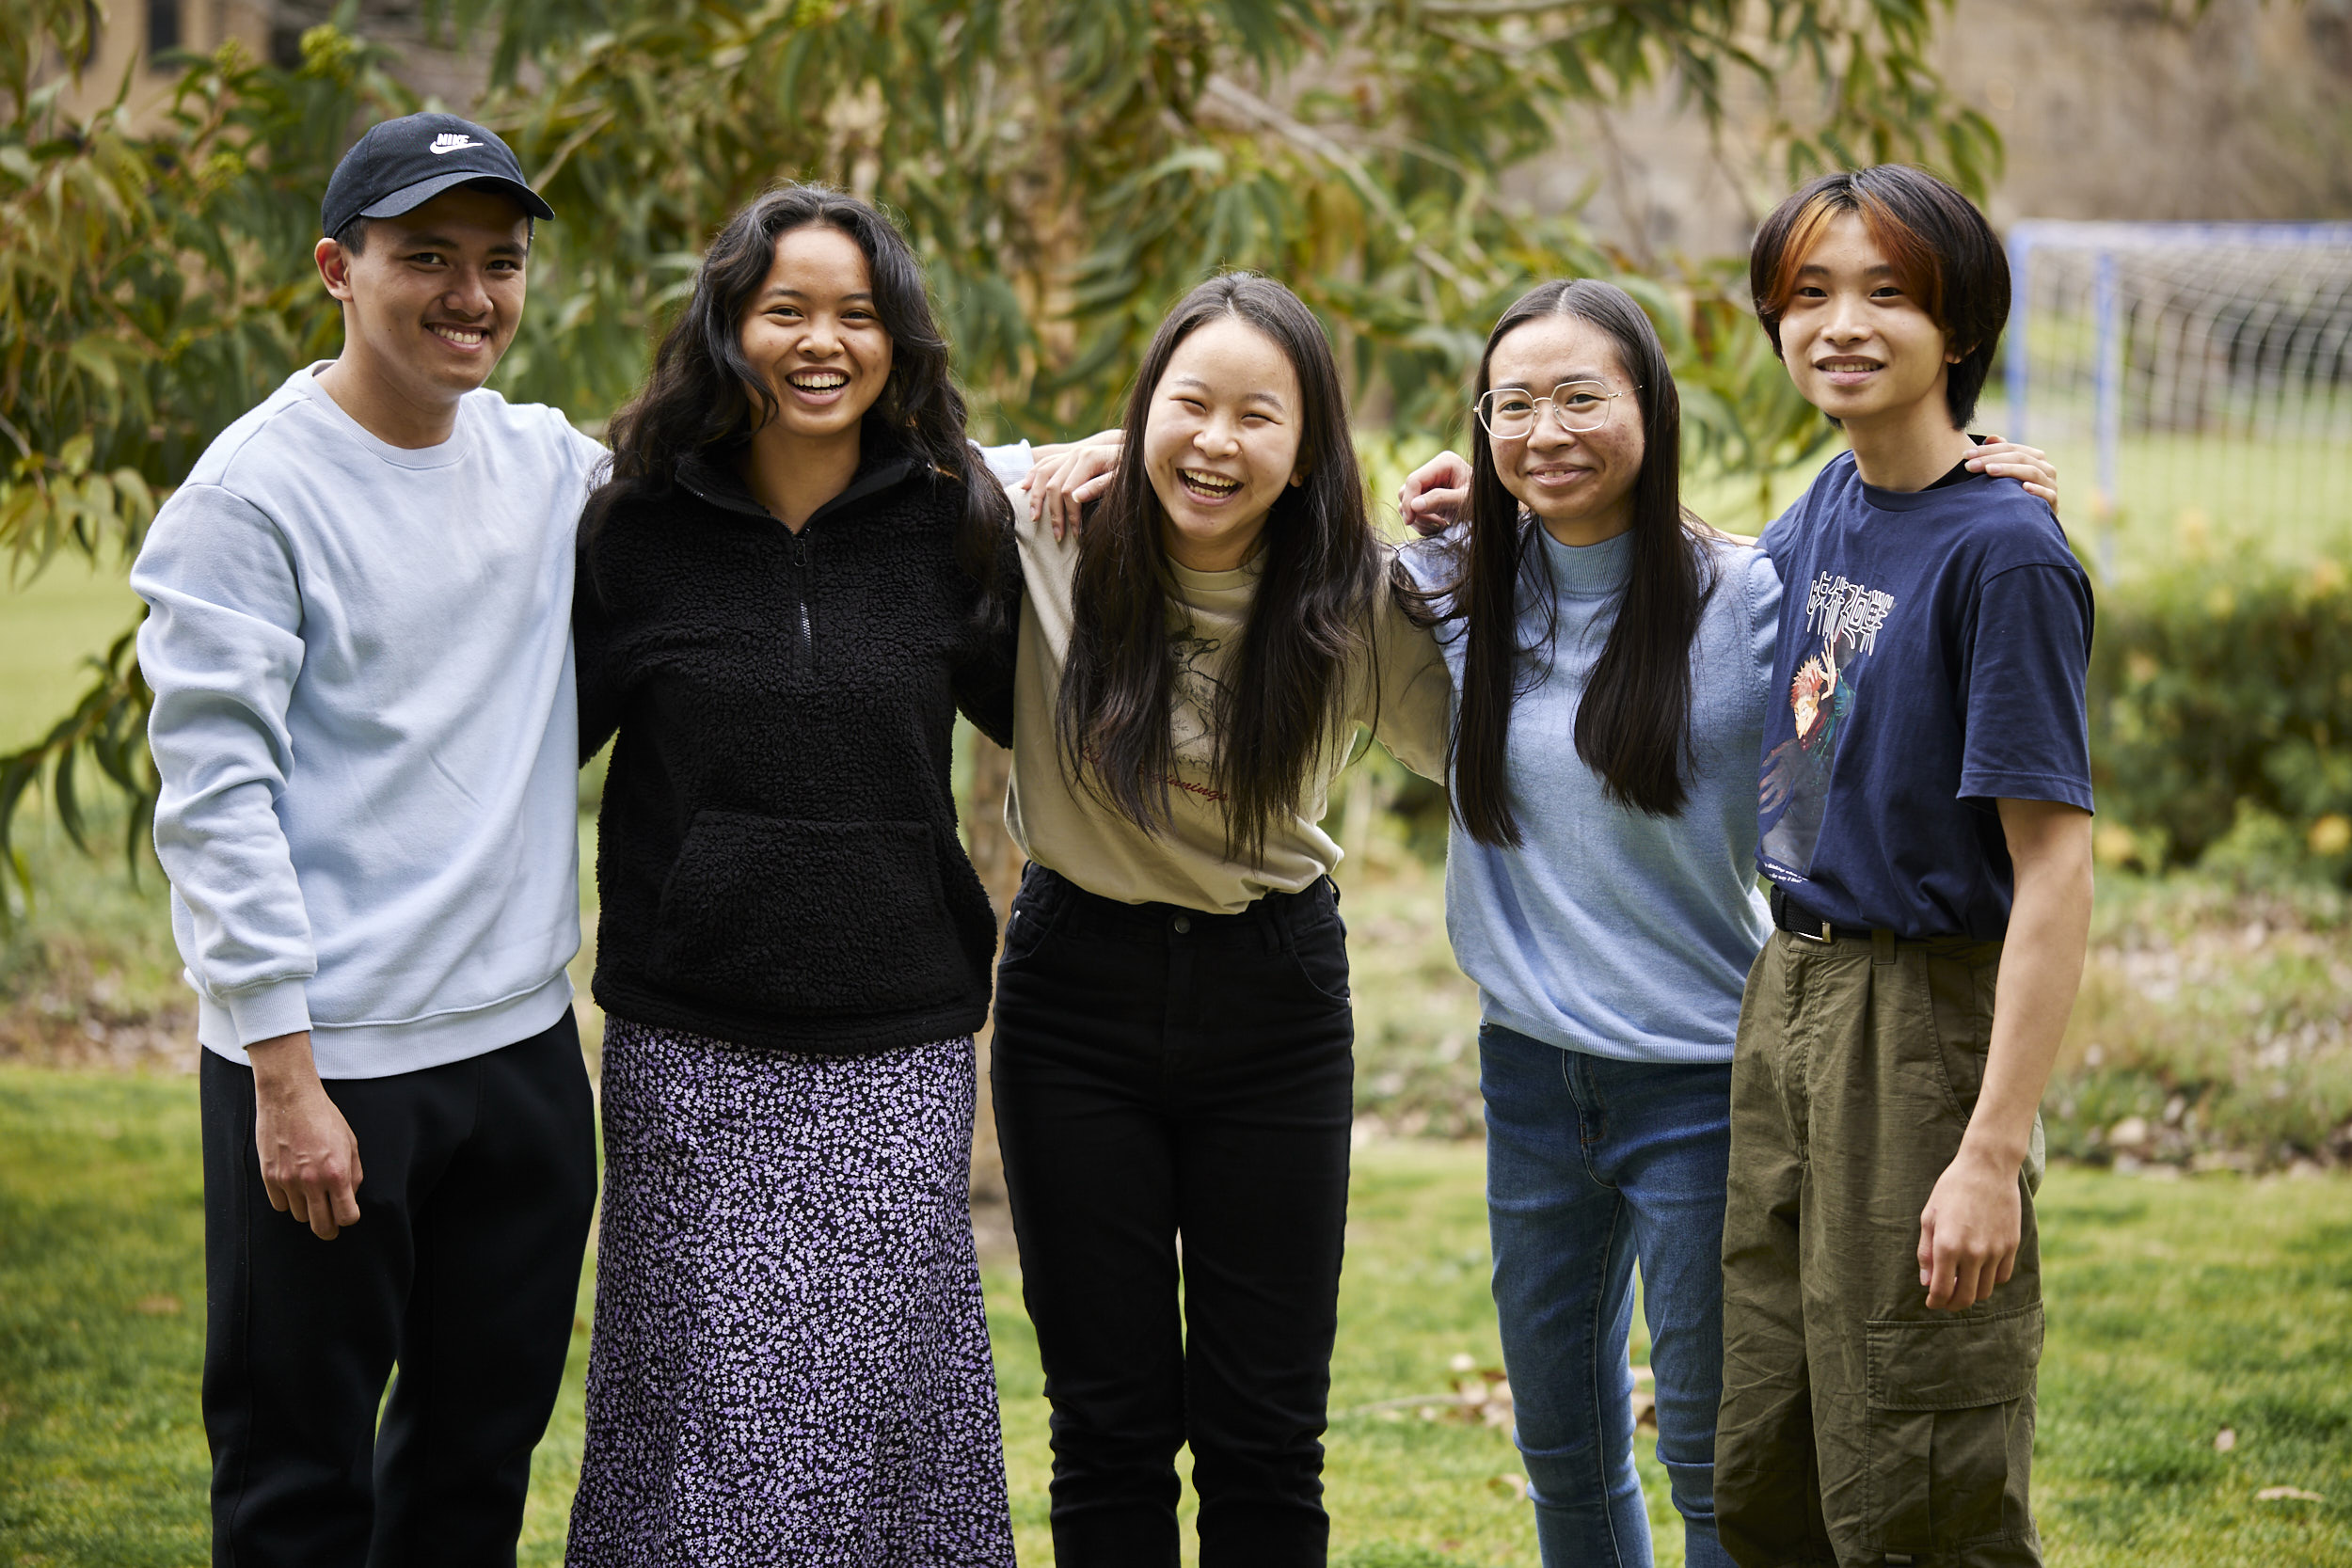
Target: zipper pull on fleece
x,y
804,591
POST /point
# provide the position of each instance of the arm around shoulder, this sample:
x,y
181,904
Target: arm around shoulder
x,y
1763,590
984,669
591,644
1411,713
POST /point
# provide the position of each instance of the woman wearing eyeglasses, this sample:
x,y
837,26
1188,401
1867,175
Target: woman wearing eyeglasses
x,y
1609,654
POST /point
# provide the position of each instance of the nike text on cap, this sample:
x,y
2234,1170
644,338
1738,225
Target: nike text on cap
x,y
404,163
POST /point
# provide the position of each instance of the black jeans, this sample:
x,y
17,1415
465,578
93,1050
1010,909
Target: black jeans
x,y
1161,1073
479,1179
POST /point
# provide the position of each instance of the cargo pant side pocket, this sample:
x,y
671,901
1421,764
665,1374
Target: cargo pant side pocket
x,y
1950,1446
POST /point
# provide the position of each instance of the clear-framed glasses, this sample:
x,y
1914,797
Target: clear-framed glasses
x,y
1509,413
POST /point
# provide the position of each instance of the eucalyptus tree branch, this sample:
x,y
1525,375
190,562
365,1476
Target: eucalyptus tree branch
x,y
573,143
109,726
1234,96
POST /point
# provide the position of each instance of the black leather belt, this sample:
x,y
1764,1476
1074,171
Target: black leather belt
x,y
1800,921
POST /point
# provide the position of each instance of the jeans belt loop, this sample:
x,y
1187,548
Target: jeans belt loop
x,y
1882,946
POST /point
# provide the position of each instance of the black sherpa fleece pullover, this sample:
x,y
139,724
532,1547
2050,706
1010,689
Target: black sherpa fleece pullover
x,y
777,853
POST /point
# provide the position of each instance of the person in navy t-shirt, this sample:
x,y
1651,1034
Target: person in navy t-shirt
x,y
1924,797
1927,636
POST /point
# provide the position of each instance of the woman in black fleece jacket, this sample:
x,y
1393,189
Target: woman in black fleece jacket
x,y
777,854
796,576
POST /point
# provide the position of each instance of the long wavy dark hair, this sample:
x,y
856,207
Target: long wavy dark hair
x,y
702,398
1284,689
1633,721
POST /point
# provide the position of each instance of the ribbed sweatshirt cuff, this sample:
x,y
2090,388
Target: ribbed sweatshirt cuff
x,y
268,1011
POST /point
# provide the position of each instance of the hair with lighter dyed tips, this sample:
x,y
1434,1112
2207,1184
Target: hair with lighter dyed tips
x,y
1943,254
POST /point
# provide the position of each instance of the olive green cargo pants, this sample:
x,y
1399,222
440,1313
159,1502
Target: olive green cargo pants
x,y
1857,1426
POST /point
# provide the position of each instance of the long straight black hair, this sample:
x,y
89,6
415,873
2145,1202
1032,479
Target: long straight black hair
x,y
704,397
1633,721
1285,688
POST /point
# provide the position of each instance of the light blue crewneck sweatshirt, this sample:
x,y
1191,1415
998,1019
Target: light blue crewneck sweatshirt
x,y
1610,931
366,730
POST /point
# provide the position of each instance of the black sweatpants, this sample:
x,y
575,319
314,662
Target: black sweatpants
x,y
479,1178
1174,1095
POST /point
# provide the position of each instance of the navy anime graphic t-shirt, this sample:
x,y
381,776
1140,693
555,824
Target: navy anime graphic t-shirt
x,y
1933,647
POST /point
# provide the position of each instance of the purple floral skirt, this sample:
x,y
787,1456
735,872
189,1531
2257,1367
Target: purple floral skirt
x,y
790,1359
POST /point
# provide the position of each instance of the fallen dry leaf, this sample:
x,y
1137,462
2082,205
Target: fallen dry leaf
x,y
1511,1487
157,1306
2224,1440
2287,1495
1482,1394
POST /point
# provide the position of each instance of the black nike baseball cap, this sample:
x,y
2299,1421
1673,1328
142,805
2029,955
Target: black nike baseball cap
x,y
404,163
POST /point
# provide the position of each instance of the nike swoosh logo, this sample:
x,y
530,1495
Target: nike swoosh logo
x,y
454,147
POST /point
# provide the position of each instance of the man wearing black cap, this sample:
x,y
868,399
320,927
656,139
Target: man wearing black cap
x,y
418,348
364,726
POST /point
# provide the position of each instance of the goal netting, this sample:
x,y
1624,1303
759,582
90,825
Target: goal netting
x,y
2187,376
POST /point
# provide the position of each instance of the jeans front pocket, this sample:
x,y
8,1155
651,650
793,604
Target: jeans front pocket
x,y
1024,928
1318,950
1949,1445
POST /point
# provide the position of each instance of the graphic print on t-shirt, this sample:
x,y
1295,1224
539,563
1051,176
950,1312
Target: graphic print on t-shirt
x,y
1845,617
1193,710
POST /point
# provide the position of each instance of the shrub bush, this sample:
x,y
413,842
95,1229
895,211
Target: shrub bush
x,y
2222,718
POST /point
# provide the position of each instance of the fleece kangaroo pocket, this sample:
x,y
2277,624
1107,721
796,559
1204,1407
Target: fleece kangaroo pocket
x,y
806,917
1950,1440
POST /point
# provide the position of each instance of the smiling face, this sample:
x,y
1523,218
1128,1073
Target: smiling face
x,y
1859,345
1579,485
815,333
432,296
1221,442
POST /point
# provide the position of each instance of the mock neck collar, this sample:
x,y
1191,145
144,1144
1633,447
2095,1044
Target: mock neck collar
x,y
1587,571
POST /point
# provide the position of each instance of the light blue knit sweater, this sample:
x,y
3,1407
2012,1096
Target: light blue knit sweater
x,y
1607,931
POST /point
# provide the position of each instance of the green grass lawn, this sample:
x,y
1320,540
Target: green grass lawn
x,y
2178,1308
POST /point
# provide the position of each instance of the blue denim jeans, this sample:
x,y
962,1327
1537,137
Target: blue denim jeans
x,y
1594,1166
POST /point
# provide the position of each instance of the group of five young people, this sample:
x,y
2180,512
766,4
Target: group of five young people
x,y
797,572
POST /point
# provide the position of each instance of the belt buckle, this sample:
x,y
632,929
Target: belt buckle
x,y
1828,936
